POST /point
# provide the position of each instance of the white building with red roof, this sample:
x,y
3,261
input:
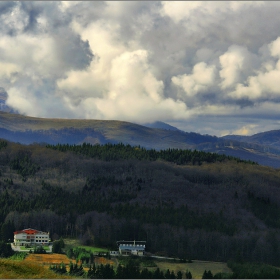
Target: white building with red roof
x,y
31,236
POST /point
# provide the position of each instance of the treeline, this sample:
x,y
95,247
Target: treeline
x,y
128,271
244,270
131,270
120,151
3,144
5,250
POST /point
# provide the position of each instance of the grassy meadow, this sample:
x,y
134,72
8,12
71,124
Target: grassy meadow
x,y
23,248
75,243
196,267
12,269
94,249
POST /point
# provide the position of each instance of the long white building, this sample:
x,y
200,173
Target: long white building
x,y
131,247
31,236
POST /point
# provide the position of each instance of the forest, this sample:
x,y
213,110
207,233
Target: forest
x,y
188,204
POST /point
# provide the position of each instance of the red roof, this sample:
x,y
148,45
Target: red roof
x,y
27,231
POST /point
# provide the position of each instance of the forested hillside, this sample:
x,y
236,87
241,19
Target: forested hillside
x,y
190,204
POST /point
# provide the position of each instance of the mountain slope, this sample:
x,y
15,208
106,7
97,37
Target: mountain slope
x,y
161,125
268,138
28,130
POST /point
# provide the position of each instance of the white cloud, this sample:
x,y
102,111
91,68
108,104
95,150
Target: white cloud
x,y
7,70
265,84
131,75
182,10
93,81
237,5
275,47
131,91
235,64
120,83
20,100
179,10
201,78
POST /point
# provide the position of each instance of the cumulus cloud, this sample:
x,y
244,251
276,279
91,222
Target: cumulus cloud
x,y
236,64
131,91
275,47
181,10
201,78
265,84
178,62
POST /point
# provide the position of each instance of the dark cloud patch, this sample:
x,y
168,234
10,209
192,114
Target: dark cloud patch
x,y
73,52
6,6
254,26
244,103
32,10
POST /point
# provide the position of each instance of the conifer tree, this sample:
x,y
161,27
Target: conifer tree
x,y
188,275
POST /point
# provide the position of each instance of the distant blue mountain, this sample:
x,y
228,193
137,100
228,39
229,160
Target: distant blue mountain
x,y
161,125
263,148
268,138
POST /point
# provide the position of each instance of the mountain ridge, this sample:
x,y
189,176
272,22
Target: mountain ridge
x,y
28,130
160,125
269,138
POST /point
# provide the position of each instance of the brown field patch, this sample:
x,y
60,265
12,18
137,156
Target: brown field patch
x,y
50,259
47,259
102,260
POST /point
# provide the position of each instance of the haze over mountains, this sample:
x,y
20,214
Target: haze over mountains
x,y
263,148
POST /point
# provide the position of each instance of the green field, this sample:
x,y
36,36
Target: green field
x,y
22,248
94,249
19,256
196,267
75,243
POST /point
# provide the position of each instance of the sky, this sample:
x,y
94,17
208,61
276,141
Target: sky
x,y
206,67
